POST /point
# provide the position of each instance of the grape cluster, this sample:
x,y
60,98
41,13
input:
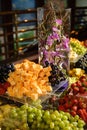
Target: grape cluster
x,y
57,75
32,118
82,63
77,47
5,69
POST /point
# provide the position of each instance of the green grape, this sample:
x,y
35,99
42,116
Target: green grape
x,y
75,123
39,118
76,128
53,116
67,128
64,117
25,126
39,113
56,128
46,114
71,118
51,125
62,124
56,123
29,109
24,117
24,107
58,119
76,118
81,123
38,124
48,122
13,113
66,122
78,48
42,126
34,110
32,118
81,128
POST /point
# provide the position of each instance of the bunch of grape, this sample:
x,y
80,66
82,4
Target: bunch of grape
x,y
82,63
5,69
78,48
32,118
57,75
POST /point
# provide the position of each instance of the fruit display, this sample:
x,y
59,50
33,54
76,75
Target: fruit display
x,y
77,50
30,101
75,105
31,118
58,77
27,80
75,74
4,74
82,63
5,70
77,46
73,101
79,87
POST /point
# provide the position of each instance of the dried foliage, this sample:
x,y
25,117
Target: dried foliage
x,y
53,10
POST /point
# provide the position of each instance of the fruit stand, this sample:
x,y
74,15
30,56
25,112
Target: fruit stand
x,y
48,95
24,108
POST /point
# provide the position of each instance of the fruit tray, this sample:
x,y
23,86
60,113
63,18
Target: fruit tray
x,y
20,111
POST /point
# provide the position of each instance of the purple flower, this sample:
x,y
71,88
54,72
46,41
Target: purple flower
x,y
49,40
49,56
58,22
53,53
65,41
55,36
54,44
55,29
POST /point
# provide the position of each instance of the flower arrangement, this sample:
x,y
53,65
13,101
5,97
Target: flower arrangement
x,y
54,45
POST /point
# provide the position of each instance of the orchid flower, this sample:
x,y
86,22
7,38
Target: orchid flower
x,y
54,43
58,22
49,40
65,41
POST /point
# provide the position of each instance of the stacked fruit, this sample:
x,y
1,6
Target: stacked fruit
x,y
4,74
77,50
74,105
77,46
75,101
80,86
82,62
32,118
58,77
